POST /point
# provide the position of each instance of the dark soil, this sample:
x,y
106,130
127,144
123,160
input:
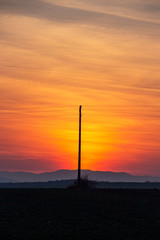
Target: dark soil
x,y
79,214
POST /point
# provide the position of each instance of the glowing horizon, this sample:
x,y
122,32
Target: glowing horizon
x,y
57,55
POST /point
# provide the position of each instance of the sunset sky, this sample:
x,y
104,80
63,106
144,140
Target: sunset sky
x,y
58,54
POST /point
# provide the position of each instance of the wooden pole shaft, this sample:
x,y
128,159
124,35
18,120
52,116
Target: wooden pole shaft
x,y
79,147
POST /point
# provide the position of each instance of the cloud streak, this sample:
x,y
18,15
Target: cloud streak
x,y
62,14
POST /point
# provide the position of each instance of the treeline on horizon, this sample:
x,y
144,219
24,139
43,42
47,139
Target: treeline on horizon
x,y
67,183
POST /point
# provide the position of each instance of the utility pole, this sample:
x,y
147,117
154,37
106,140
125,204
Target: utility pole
x,y
79,147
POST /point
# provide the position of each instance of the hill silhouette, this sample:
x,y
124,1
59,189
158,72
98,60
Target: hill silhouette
x,y
109,176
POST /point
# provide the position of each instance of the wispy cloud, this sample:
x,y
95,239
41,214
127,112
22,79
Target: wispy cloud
x,y
63,14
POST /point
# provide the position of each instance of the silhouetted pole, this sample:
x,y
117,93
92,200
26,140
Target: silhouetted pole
x,y
79,148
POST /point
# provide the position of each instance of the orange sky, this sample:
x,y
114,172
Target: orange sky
x,y
57,55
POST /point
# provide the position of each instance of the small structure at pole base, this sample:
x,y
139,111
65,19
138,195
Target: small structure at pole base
x,y
83,184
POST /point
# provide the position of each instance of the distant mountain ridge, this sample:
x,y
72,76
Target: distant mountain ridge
x,y
6,176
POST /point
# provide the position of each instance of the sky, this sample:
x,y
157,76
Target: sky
x,y
57,55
